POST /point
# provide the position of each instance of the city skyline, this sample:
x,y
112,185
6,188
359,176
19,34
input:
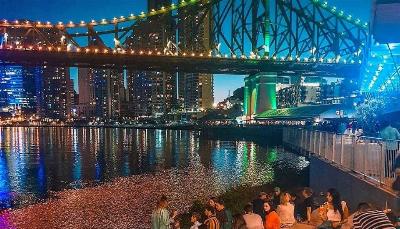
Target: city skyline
x,y
75,10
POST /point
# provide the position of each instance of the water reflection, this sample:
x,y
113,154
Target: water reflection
x,y
34,161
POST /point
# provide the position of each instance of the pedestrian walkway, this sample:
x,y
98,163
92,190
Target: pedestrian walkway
x,y
372,158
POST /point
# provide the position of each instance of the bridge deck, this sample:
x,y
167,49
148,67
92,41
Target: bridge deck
x,y
173,63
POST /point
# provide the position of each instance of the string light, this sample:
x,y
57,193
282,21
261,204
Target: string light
x,y
122,18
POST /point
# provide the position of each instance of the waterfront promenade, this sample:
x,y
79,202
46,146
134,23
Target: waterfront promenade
x,y
360,166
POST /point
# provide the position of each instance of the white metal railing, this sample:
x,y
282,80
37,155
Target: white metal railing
x,y
373,158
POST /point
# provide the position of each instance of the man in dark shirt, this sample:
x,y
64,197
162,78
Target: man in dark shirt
x,y
258,204
305,205
224,216
276,197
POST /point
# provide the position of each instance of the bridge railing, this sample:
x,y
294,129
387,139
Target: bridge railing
x,y
371,158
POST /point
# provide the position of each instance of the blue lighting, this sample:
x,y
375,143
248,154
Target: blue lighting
x,y
380,73
17,86
5,197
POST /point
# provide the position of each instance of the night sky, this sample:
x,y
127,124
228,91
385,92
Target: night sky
x,y
77,10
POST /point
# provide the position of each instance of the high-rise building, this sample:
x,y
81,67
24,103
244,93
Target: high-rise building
x,y
152,93
101,92
195,91
53,93
17,88
86,104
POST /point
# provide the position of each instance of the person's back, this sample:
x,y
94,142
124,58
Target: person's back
x,y
286,213
160,219
390,133
253,221
238,222
372,219
272,221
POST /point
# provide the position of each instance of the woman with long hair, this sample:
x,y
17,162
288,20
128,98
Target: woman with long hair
x,y
238,222
272,220
334,211
285,211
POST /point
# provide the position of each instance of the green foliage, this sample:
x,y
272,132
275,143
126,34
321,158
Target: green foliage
x,y
368,114
235,199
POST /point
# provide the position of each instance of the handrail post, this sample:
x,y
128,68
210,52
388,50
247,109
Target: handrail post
x,y
342,151
333,146
353,145
326,143
382,164
364,160
320,143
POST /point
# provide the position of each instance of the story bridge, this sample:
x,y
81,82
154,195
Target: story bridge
x,y
205,36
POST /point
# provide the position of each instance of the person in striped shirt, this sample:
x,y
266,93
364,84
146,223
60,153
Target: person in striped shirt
x,y
369,218
211,221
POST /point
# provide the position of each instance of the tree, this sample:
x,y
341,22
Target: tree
x,y
368,113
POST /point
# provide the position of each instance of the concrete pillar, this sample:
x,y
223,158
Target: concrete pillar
x,y
259,93
246,102
266,92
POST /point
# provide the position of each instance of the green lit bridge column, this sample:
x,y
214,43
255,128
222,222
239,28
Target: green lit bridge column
x,y
259,93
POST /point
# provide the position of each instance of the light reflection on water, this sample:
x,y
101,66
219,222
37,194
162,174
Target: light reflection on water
x,y
34,161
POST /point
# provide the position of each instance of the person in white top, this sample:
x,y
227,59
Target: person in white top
x,y
253,221
285,211
334,210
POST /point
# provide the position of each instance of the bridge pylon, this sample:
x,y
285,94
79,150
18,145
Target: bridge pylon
x,y
259,93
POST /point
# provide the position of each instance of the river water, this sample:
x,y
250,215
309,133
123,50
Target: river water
x,y
36,162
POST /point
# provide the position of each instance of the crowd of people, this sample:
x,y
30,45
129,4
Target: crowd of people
x,y
279,210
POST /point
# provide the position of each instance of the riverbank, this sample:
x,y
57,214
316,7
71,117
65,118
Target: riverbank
x,y
128,202
130,170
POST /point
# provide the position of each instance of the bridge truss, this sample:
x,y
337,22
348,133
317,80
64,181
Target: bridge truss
x,y
305,33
